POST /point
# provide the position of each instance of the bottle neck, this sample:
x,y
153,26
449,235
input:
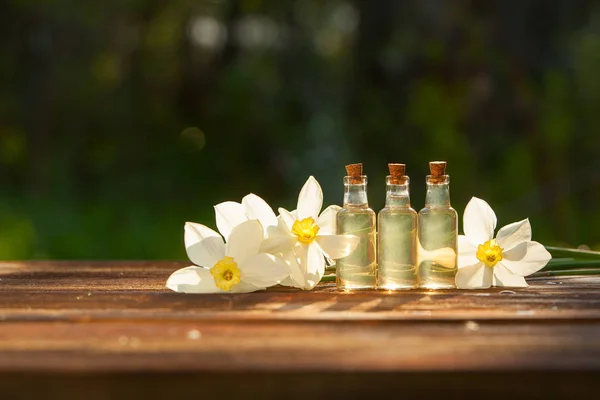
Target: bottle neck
x,y
355,191
397,195
438,192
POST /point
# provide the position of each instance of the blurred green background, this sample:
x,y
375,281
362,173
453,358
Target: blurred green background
x,y
121,119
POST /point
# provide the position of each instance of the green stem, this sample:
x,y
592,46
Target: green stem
x,y
570,263
568,272
562,252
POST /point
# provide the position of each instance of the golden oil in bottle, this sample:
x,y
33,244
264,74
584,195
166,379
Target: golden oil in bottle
x,y
359,269
397,235
437,233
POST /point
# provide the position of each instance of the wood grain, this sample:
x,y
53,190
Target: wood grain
x,y
90,321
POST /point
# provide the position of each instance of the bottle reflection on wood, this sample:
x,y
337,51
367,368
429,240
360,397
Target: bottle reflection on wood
x,y
359,269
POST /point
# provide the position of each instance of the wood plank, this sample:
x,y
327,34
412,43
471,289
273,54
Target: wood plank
x,y
298,346
75,322
135,291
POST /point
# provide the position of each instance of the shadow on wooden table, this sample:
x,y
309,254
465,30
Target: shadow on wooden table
x,y
300,385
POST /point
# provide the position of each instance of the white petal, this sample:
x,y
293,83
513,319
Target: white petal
x,y
192,280
337,246
263,270
244,240
296,274
288,281
479,221
279,243
503,277
256,208
203,245
526,258
476,276
287,218
195,233
466,252
315,260
229,215
244,287
514,234
446,256
313,264
310,199
327,220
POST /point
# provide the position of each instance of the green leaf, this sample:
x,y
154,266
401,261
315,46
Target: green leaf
x,y
562,252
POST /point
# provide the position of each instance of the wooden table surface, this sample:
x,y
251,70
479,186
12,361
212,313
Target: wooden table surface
x,y
111,330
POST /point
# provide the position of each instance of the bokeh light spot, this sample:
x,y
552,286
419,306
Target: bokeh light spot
x,y
193,138
208,32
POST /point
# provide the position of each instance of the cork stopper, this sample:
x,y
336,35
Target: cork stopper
x,y
354,171
438,171
397,173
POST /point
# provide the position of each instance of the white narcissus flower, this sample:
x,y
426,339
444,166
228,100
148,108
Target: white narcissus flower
x,y
235,267
305,238
504,261
291,236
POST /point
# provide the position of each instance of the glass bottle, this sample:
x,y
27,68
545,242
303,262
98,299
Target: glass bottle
x,y
437,233
359,269
397,235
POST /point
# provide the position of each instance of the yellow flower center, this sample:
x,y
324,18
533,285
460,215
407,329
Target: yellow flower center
x,y
306,230
489,253
226,273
